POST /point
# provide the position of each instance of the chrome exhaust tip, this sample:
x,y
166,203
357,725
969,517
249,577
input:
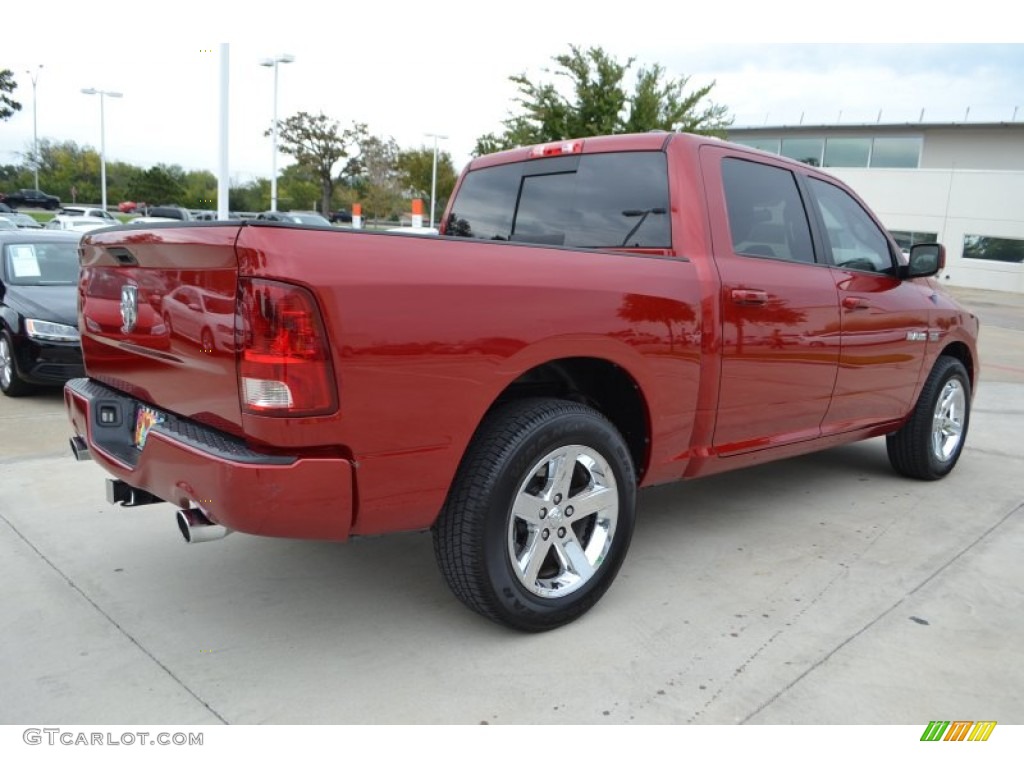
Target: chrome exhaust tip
x,y
80,449
196,527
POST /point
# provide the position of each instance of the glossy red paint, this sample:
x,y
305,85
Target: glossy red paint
x,y
732,360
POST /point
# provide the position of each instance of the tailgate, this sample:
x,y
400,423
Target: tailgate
x,y
157,318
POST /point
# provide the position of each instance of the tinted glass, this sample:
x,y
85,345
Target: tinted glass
x,y
765,145
766,213
896,153
805,150
855,240
847,153
609,200
994,248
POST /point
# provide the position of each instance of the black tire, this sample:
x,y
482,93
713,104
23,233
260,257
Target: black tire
x,y
11,384
509,500
929,444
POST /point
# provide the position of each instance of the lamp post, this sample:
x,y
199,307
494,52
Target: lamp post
x,y
34,74
284,58
433,178
103,139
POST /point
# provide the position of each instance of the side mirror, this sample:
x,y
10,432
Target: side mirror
x,y
926,259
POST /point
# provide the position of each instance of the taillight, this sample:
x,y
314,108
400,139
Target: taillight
x,y
557,148
285,365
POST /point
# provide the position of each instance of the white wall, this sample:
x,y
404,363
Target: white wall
x,y
953,203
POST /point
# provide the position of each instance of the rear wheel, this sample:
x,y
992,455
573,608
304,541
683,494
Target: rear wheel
x,y
540,515
929,444
11,384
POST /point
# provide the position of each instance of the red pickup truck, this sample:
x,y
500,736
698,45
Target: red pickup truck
x,y
597,315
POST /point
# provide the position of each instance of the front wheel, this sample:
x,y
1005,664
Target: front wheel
x,y
540,515
929,444
11,384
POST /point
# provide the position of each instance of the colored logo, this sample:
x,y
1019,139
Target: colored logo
x,y
958,730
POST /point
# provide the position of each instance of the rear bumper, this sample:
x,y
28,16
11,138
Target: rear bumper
x,y
192,465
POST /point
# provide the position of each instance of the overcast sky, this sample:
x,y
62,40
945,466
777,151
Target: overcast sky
x,y
444,69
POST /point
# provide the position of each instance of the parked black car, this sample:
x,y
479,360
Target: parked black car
x,y
39,340
341,217
32,198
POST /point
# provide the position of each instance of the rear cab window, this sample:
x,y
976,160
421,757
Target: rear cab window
x,y
607,200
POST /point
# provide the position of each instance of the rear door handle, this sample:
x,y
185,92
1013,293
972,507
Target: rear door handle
x,y
749,297
855,302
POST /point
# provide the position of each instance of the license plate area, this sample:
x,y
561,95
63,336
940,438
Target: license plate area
x,y
145,419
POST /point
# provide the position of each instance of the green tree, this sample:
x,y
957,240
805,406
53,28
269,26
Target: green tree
x,y
599,103
159,185
416,170
374,175
8,106
251,196
298,189
317,144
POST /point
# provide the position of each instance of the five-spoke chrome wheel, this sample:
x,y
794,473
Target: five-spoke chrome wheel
x,y
563,521
950,418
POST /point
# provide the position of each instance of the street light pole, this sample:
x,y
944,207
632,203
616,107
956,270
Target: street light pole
x,y
34,74
103,139
284,58
433,178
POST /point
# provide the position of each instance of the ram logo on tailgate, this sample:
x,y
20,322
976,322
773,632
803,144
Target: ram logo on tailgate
x,y
129,307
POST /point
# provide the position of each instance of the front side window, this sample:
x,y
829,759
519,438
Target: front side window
x,y
766,213
612,200
855,240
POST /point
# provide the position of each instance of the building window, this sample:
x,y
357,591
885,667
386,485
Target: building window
x,y
994,248
847,153
896,153
805,150
765,145
907,239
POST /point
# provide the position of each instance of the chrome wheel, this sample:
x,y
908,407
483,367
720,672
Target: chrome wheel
x,y
948,421
563,521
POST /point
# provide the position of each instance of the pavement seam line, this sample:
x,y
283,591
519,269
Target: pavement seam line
x,y
983,535
114,622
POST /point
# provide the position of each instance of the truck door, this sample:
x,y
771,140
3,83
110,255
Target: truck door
x,y
779,305
884,321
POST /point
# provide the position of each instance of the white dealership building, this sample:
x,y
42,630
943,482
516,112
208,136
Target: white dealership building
x,y
961,184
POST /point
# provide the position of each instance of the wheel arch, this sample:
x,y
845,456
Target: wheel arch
x,y
962,352
597,382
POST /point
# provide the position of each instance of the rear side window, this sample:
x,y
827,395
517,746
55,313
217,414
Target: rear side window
x,y
614,200
766,213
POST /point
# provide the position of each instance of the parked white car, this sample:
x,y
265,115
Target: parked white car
x,y
78,223
95,213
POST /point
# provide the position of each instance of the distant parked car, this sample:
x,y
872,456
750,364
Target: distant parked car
x,y
169,212
79,224
341,217
21,220
308,218
96,213
39,341
127,206
31,198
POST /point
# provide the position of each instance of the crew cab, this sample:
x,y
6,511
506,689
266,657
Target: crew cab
x,y
596,315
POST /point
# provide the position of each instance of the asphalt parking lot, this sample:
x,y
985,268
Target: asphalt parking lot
x,y
823,589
